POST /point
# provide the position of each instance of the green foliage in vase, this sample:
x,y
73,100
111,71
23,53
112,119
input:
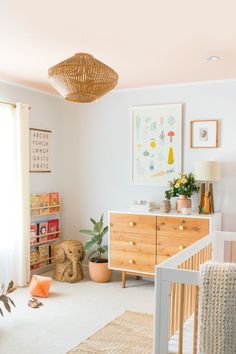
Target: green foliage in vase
x,y
185,184
97,233
5,299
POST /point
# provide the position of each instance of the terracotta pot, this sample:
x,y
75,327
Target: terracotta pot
x,y
99,272
183,202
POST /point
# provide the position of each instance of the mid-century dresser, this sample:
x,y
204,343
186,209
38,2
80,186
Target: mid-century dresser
x,y
138,241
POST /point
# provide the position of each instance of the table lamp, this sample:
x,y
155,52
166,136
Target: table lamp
x,y
207,172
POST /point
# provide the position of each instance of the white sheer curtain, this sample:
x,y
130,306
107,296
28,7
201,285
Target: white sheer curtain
x,y
14,194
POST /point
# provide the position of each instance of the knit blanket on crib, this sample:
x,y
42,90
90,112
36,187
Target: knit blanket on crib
x,y
217,309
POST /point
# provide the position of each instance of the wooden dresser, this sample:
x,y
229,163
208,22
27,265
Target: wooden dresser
x,y
139,241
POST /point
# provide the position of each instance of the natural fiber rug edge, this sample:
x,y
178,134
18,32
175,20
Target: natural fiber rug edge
x,y
131,332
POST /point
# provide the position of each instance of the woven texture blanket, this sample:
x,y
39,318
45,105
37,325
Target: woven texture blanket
x,y
217,309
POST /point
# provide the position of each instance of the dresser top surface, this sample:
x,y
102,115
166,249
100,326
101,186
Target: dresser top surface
x,y
172,213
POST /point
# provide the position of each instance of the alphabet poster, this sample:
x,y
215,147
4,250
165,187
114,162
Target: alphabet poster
x,y
40,145
156,143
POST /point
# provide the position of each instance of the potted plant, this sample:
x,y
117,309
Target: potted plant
x,y
183,187
5,299
98,264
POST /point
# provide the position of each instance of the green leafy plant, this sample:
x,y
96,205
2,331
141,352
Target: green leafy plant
x,y
5,299
185,184
97,234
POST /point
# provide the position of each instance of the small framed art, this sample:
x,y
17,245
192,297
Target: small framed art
x,y
204,133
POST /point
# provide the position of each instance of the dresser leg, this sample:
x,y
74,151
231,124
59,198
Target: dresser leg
x,y
123,279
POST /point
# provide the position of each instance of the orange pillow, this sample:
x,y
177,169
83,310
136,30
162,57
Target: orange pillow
x,y
39,286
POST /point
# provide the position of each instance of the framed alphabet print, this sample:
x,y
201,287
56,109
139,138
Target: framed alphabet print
x,y
40,149
156,143
204,133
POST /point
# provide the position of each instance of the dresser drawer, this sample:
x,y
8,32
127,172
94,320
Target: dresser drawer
x,y
140,224
178,226
137,262
169,246
133,242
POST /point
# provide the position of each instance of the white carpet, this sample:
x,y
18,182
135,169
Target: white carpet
x,y
71,313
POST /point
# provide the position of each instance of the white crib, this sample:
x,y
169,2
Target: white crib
x,y
176,289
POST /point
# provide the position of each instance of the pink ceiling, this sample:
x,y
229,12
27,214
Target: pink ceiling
x,y
148,42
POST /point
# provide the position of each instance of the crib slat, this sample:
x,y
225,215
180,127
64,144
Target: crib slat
x,y
210,251
177,307
207,253
181,318
231,251
172,309
204,255
190,289
184,298
198,260
187,302
195,326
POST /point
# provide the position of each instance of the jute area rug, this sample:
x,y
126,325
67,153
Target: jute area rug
x,y
129,333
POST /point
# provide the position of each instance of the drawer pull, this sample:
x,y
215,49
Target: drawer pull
x,y
181,227
181,247
131,243
131,261
132,223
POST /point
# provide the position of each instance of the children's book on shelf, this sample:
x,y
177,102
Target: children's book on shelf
x,y
43,255
33,233
43,252
44,203
34,257
35,204
52,253
42,231
54,202
53,226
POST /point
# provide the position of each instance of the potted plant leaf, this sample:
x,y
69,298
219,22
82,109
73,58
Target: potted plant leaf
x,y
5,299
98,263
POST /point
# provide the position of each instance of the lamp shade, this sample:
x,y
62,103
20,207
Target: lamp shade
x,y
82,78
207,170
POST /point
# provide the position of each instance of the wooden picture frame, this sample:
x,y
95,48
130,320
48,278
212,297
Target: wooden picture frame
x,y
204,134
40,150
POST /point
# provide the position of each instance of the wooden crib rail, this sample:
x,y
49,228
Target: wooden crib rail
x,y
176,288
183,298
176,294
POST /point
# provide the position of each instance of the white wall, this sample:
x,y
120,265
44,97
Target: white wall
x,y
95,149
91,147
45,113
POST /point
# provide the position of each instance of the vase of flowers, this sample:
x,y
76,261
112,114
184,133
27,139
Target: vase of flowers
x,y
183,187
183,202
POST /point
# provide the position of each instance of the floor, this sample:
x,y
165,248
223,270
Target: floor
x,y
71,313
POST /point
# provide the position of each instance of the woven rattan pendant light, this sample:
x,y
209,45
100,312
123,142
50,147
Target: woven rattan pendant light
x,y
82,78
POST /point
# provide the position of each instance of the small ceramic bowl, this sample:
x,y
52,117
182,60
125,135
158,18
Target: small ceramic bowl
x,y
186,211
